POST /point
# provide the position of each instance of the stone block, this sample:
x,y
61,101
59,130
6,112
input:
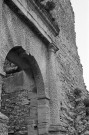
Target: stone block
x,y
30,121
33,102
31,95
33,113
43,129
43,114
31,130
43,102
25,101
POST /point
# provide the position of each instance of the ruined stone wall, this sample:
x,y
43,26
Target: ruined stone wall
x,y
19,102
16,33
68,66
69,73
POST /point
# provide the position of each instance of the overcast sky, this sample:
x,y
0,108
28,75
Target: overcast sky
x,y
81,9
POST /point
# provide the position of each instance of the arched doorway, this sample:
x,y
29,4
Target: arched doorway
x,y
24,67
19,100
19,94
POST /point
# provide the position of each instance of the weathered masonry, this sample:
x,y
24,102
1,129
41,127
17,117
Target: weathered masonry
x,y
38,64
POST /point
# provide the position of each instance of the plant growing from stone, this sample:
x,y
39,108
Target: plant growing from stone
x,y
75,117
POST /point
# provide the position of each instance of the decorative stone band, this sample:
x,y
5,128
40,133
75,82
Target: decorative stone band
x,y
35,16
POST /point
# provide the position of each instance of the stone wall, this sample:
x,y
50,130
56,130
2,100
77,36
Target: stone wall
x,y
68,65
61,70
19,103
16,33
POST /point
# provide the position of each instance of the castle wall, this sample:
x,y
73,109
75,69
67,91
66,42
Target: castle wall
x,y
61,70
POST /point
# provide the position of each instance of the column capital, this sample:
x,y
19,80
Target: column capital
x,y
53,48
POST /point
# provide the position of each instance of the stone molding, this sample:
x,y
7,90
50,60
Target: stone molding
x,y
44,97
40,21
46,18
56,128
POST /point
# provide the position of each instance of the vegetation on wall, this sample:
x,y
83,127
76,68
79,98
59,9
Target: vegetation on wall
x,y
75,119
47,6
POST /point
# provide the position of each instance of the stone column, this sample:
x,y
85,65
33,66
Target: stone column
x,y
3,118
54,108
43,115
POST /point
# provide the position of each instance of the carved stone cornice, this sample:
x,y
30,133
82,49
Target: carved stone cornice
x,y
35,16
46,17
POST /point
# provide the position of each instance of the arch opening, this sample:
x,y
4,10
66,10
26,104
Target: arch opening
x,y
23,70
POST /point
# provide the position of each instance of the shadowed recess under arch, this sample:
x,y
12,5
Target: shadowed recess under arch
x,y
18,56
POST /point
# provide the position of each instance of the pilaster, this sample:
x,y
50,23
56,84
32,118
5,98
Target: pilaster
x,y
43,115
54,109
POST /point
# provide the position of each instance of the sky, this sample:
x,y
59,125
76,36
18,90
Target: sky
x,y
81,10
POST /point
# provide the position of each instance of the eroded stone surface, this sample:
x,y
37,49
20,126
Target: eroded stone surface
x,y
19,103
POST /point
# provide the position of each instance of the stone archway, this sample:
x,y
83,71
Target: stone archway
x,y
18,56
16,102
